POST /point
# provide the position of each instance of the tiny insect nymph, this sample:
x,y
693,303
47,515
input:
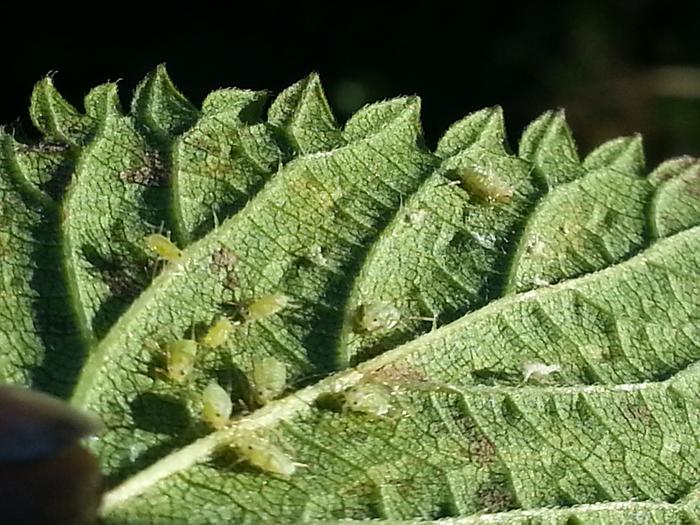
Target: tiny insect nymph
x,y
485,186
181,356
216,405
268,379
218,333
372,317
538,371
266,306
163,247
368,398
266,456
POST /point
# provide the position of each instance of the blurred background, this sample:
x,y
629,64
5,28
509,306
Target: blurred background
x,y
617,67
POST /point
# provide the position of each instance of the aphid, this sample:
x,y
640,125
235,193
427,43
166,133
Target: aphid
x,y
484,186
269,379
539,281
266,456
266,306
163,247
535,246
181,355
218,333
216,405
368,398
372,317
316,256
538,371
416,217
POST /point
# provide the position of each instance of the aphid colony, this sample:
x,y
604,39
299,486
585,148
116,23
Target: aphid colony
x,y
267,376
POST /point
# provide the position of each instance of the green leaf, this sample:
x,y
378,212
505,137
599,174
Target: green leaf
x,y
478,268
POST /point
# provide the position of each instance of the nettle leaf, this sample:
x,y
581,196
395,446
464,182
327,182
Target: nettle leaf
x,y
523,329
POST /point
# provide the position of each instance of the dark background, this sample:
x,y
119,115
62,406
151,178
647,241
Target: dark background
x,y
617,68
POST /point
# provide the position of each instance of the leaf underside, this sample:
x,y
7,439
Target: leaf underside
x,y
590,265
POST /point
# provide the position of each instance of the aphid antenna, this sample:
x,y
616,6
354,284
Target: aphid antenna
x,y
433,320
157,229
450,183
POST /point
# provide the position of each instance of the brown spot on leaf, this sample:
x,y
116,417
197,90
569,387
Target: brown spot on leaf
x,y
495,497
479,447
152,173
398,373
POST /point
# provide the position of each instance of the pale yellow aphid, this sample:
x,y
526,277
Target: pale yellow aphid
x,y
369,398
372,317
216,405
266,306
266,456
538,371
218,333
163,247
485,185
181,355
268,379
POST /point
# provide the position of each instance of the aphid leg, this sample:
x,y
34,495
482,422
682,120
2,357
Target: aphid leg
x,y
450,183
433,320
161,355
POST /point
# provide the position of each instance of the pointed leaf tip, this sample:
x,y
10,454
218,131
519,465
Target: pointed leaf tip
x,y
247,104
160,108
623,154
485,127
54,116
103,99
304,117
549,144
373,118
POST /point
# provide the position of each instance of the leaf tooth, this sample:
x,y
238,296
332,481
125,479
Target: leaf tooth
x,y
247,103
484,127
548,143
159,107
624,154
676,203
305,118
102,102
672,169
56,118
375,118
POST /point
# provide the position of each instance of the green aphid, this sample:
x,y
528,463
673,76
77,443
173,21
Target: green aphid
x,y
268,379
369,398
216,405
266,306
373,317
266,456
163,247
484,186
218,333
181,356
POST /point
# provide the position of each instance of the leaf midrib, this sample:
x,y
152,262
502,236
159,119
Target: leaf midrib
x,y
302,401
